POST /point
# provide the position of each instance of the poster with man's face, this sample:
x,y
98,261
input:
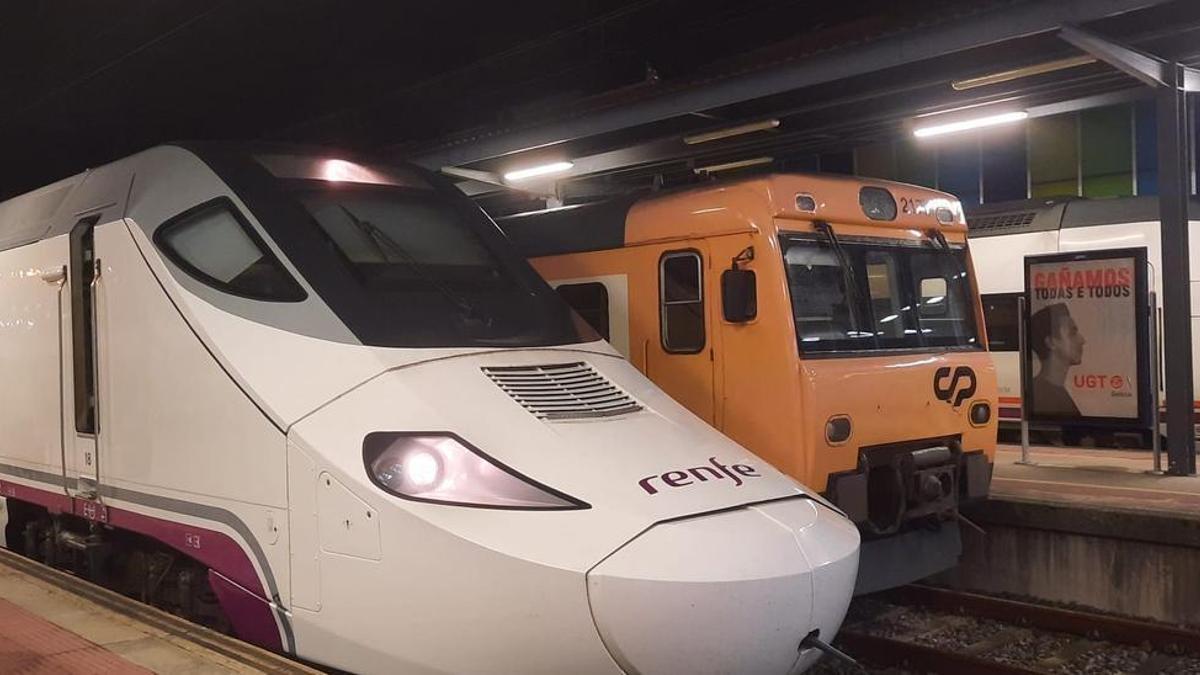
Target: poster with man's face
x,y
1086,353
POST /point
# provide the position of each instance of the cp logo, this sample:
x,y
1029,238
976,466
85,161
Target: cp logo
x,y
945,386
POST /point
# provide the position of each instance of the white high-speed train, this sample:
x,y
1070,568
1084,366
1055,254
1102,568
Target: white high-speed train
x,y
318,402
1003,234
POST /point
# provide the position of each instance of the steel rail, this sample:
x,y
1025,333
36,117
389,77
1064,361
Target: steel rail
x,y
910,655
1095,625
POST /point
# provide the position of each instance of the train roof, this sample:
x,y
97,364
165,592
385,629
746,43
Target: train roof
x,y
1042,215
680,213
54,209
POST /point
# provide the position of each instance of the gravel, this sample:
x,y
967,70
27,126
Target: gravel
x,y
1030,648
1188,665
960,633
1106,660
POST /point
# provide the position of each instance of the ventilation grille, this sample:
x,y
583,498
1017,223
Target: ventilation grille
x,y
563,391
1002,221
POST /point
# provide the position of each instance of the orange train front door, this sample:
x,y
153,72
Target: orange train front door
x,y
680,361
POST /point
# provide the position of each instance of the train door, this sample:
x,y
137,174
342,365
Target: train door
x,y
82,462
682,361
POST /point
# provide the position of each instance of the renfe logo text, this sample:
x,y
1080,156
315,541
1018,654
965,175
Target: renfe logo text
x,y
717,471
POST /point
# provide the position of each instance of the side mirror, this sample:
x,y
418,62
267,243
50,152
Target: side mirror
x,y
739,295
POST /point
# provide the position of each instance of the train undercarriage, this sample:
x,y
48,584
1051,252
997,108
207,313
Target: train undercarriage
x,y
134,565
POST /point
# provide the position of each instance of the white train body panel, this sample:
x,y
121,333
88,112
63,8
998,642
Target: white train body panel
x,y
232,430
1107,224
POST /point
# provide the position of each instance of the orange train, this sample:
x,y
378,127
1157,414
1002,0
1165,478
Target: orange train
x,y
831,325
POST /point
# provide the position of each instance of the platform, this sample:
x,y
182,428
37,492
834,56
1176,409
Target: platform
x,y
51,622
1087,527
1103,479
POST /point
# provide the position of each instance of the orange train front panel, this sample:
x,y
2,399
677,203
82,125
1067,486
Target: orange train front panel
x,y
893,399
889,434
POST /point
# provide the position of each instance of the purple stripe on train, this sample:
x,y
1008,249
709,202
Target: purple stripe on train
x,y
235,582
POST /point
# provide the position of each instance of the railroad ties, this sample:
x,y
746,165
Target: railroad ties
x,y
933,630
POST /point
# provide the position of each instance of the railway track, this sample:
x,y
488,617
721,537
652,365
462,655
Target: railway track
x,y
921,629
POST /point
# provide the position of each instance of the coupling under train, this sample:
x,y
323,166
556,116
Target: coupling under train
x,y
319,402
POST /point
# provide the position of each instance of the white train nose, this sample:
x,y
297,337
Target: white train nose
x,y
732,592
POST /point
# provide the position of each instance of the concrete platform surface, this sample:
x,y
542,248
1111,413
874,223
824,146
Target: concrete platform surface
x,y
51,622
1097,479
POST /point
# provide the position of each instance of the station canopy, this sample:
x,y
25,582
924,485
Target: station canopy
x,y
605,97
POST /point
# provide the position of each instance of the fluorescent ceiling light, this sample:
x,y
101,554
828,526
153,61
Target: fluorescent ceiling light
x,y
730,132
967,125
1018,73
728,166
540,170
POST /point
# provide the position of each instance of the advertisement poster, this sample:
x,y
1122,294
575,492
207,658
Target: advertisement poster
x,y
1086,333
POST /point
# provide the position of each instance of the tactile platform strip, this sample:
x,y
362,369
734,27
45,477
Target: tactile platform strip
x,y
30,645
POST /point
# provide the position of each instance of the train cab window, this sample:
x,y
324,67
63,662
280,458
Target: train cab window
x,y
933,288
681,296
945,298
870,295
214,244
822,302
1000,317
893,316
590,302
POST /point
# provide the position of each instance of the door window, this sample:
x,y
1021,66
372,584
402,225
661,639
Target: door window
x,y
83,339
681,292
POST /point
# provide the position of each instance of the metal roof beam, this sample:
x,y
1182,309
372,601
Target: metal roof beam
x,y
1005,23
1148,69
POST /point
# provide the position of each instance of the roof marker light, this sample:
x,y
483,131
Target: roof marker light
x,y
540,170
967,125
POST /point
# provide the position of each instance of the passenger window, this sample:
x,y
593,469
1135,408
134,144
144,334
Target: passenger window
x,y
590,301
682,299
1000,317
214,244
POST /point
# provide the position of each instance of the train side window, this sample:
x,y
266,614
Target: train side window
x,y
213,243
1000,317
590,301
681,297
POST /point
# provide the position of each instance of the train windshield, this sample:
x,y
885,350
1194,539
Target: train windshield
x,y
400,256
870,295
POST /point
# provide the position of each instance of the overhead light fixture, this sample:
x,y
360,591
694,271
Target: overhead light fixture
x,y
969,124
540,170
1018,73
730,132
729,166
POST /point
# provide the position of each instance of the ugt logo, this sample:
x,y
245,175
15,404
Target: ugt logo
x,y
945,386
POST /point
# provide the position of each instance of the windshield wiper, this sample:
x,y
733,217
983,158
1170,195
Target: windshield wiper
x,y
382,240
938,239
847,271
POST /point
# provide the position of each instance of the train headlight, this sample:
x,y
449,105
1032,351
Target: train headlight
x,y
837,430
981,413
444,469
